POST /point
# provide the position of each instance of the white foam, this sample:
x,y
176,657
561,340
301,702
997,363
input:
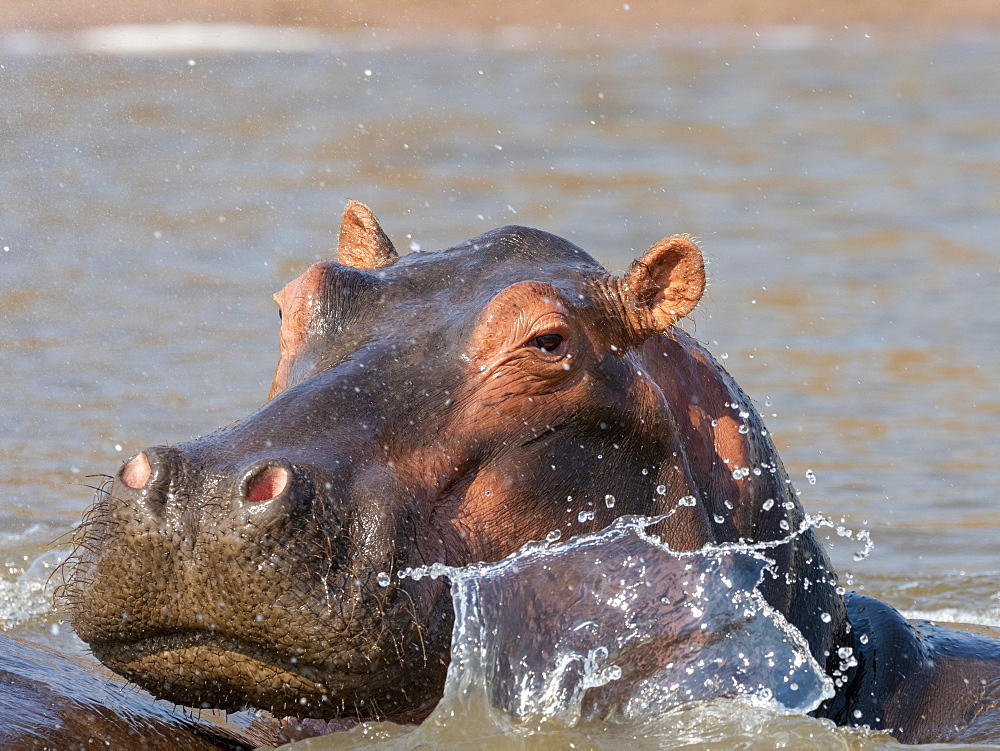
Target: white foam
x,y
188,38
30,596
193,38
956,615
169,39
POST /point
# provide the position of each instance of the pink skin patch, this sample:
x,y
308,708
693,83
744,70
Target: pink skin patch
x,y
267,484
136,472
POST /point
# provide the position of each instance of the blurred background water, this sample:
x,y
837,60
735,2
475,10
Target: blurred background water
x,y
845,188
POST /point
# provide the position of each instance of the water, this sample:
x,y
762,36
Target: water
x,y
598,605
845,190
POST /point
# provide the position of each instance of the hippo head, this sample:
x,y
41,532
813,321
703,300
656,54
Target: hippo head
x,y
441,407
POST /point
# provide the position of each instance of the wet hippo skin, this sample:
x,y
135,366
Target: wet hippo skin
x,y
922,682
48,701
449,407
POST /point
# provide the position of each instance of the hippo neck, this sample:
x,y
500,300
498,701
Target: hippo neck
x,y
722,435
739,478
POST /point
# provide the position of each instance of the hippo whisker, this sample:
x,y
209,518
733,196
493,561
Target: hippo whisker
x,y
106,482
419,628
84,538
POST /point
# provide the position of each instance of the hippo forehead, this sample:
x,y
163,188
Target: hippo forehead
x,y
333,312
471,273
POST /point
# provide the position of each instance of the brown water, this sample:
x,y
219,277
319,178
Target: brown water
x,y
846,191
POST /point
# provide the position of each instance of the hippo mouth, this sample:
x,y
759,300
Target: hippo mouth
x,y
184,667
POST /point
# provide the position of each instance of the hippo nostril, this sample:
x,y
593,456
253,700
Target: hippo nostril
x,y
136,471
267,484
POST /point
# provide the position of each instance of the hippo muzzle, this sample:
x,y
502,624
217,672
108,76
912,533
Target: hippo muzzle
x,y
233,571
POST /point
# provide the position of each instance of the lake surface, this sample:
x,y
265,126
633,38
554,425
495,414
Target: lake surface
x,y
846,190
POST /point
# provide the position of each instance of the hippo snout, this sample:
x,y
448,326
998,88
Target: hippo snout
x,y
157,484
242,569
263,481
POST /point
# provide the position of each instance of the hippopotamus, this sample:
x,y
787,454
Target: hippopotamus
x,y
449,407
50,701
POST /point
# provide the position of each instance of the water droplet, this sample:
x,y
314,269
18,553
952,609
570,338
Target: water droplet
x,y
718,519
743,429
793,686
554,535
382,578
661,489
863,638
609,501
857,714
645,471
768,504
585,516
825,617
688,500
811,477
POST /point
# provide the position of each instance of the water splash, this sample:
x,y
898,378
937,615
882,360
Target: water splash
x,y
30,595
615,625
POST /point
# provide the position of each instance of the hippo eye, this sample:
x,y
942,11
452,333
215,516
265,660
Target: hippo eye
x,y
547,342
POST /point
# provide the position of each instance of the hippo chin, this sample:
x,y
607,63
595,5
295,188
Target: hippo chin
x,y
444,407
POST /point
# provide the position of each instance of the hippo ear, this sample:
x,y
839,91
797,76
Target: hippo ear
x,y
665,284
363,244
